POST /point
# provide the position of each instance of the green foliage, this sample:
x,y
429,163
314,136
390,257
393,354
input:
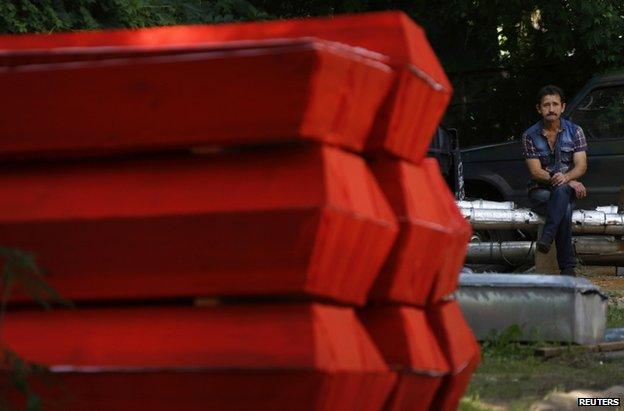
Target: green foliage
x,y
615,317
19,269
510,344
19,373
45,16
500,52
507,343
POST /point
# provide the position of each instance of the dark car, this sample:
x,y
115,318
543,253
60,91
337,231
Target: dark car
x,y
498,171
444,147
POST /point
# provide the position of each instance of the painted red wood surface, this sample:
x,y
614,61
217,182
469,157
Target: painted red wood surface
x,y
409,117
413,266
293,90
411,113
256,356
456,248
409,346
460,348
391,33
294,221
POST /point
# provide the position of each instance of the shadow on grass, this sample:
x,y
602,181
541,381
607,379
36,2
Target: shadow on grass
x,y
512,377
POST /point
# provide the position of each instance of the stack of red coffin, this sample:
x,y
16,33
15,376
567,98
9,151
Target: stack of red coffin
x,y
148,168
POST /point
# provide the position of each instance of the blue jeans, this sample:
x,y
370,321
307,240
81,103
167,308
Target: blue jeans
x,y
555,204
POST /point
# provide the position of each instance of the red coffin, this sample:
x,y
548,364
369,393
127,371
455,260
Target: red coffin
x,y
460,348
260,357
298,221
410,115
455,250
410,348
271,92
411,270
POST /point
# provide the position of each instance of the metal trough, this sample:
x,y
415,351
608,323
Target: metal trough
x,y
546,307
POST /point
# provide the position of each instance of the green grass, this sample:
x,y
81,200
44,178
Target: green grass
x,y
522,381
472,404
511,376
615,316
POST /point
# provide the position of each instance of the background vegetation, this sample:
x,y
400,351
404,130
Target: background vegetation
x,y
497,52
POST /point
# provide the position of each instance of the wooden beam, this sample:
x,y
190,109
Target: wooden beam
x,y
549,352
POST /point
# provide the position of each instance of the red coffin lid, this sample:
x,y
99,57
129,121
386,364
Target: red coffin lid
x,y
273,92
307,220
264,356
391,33
454,335
404,126
461,231
413,265
405,339
252,336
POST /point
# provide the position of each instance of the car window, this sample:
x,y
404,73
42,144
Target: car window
x,y
601,113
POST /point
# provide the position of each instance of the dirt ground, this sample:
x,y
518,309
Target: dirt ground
x,y
512,377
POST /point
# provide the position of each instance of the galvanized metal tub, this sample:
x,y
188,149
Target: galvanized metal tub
x,y
545,307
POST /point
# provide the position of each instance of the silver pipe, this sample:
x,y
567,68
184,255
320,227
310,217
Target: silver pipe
x,y
583,221
597,222
486,219
514,252
602,250
491,205
611,209
589,250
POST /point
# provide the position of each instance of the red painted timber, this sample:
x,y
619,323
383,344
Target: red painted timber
x,y
410,348
292,90
453,261
264,356
297,221
410,116
460,348
411,270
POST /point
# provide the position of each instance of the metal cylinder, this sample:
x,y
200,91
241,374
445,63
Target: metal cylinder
x,y
512,252
487,219
612,209
583,221
589,250
597,222
491,205
602,250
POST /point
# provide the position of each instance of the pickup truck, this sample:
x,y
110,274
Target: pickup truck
x,y
498,171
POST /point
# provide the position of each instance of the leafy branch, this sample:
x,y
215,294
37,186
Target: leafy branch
x,y
19,269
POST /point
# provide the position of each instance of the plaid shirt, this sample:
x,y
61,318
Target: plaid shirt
x,y
570,139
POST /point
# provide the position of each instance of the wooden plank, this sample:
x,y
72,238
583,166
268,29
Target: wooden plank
x,y
601,347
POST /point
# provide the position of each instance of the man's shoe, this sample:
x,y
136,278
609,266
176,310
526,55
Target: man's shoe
x,y
543,245
569,272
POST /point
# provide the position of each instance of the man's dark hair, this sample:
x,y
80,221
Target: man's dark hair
x,y
549,90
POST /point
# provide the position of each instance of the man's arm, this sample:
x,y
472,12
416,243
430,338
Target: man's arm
x,y
536,171
580,167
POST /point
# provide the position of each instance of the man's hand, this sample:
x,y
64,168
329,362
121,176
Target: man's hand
x,y
559,179
579,189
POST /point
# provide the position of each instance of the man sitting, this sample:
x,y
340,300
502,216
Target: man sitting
x,y
555,152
